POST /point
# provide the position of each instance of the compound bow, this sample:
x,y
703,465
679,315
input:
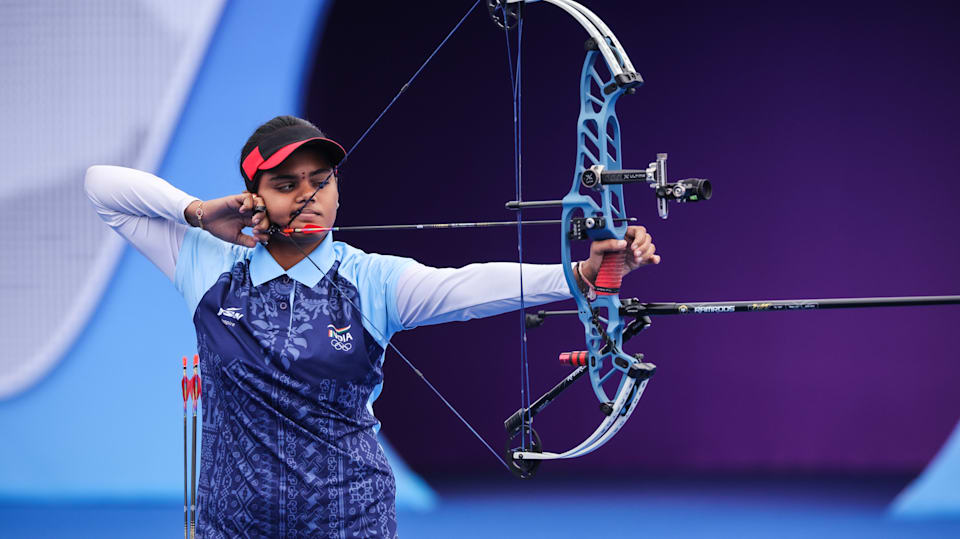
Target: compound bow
x,y
593,209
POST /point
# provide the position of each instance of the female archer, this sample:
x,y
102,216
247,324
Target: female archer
x,y
292,328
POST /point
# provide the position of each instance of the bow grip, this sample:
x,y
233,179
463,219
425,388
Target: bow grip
x,y
611,273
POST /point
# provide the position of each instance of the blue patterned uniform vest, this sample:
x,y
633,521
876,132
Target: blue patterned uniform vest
x,y
289,444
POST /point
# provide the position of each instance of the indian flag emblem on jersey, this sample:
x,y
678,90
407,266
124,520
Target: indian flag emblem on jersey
x,y
340,338
333,331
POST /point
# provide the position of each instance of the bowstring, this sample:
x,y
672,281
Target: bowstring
x,y
402,356
515,85
390,104
389,344
326,275
415,75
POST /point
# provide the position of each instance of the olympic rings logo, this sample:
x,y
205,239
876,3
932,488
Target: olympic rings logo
x,y
341,346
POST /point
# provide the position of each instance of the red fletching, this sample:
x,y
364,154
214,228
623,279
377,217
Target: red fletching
x,y
185,386
197,386
574,359
306,229
611,273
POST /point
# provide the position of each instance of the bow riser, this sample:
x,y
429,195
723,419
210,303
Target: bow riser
x,y
598,143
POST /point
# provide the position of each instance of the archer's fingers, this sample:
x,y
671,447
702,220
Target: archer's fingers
x,y
261,222
246,240
641,242
258,205
647,250
649,256
262,237
261,228
605,246
635,233
246,205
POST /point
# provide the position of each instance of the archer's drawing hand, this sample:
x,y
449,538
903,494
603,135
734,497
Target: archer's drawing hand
x,y
226,217
637,243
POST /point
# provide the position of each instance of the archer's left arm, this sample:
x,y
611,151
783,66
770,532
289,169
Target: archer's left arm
x,y
426,295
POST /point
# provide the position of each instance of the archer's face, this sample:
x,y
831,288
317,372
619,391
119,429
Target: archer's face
x,y
287,186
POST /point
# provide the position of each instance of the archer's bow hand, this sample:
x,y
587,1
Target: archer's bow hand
x,y
226,217
639,247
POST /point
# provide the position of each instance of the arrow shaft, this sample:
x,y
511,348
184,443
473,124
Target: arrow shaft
x,y
186,387
195,382
427,226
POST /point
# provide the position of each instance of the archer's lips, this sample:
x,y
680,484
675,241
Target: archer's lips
x,y
307,215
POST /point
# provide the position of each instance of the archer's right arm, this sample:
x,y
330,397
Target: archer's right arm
x,y
146,210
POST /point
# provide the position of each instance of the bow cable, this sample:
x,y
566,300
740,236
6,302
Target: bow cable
x,y
390,104
344,295
526,438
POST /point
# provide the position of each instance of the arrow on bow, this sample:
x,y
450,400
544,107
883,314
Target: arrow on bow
x,y
317,229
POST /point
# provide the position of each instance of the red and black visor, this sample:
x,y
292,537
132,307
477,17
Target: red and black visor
x,y
279,145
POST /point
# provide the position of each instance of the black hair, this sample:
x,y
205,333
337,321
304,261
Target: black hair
x,y
261,133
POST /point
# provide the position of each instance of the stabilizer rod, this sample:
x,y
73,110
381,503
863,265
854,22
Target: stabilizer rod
x,y
634,307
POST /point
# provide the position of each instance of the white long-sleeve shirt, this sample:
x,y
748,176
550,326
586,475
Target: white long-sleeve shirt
x,y
149,213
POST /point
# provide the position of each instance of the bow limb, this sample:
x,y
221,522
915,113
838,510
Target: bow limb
x,y
623,407
620,66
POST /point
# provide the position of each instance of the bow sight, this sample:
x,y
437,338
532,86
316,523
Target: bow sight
x,y
596,177
688,190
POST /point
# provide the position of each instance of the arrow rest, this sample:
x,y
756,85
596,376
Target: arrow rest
x,y
504,14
